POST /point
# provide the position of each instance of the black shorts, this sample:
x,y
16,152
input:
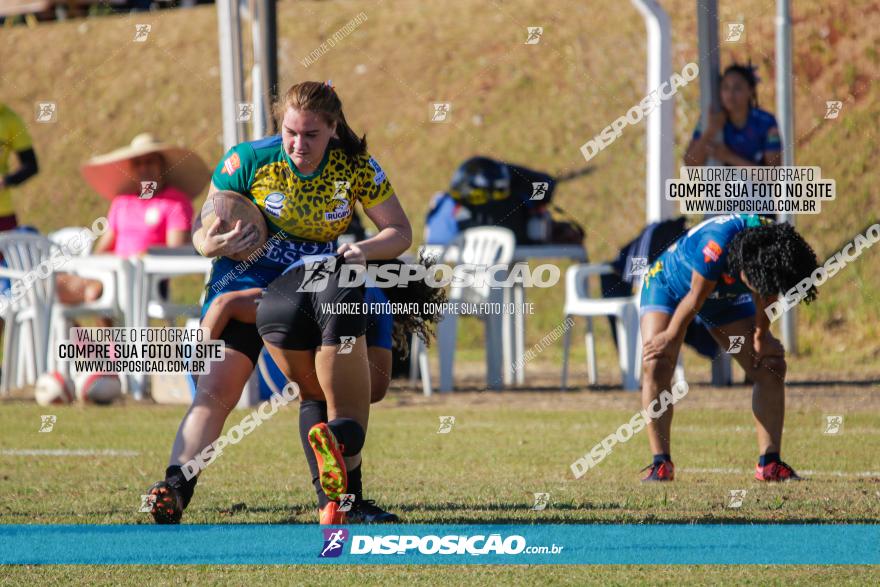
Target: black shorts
x,y
294,315
244,338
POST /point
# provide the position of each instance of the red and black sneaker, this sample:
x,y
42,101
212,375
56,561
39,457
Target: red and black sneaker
x,y
776,471
663,471
168,505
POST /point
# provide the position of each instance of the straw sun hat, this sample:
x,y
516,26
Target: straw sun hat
x,y
111,174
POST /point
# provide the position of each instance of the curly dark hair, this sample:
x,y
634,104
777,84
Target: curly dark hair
x,y
415,292
774,258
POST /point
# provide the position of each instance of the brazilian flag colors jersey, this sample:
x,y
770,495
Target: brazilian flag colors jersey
x,y
14,137
315,207
305,213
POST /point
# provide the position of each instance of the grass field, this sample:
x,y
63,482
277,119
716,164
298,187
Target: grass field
x,y
502,449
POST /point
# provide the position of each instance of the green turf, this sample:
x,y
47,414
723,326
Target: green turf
x,y
531,104
501,450
445,576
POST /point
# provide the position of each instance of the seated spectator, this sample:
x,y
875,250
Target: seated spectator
x,y
151,186
750,135
14,138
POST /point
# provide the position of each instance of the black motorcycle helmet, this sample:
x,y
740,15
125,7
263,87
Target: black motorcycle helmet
x,y
480,180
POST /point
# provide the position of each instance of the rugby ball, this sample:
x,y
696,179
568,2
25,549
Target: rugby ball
x,y
98,388
230,207
53,388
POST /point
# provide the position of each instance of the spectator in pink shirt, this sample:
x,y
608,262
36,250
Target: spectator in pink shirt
x,y
151,186
136,223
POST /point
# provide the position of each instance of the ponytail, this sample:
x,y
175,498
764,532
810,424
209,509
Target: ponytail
x,y
351,143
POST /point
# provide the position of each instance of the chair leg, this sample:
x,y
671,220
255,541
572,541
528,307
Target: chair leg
x,y
27,358
425,368
589,342
627,325
519,340
446,334
415,347
15,352
566,347
497,352
508,348
8,362
679,369
722,372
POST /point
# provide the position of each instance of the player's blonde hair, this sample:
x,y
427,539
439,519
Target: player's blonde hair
x,y
321,98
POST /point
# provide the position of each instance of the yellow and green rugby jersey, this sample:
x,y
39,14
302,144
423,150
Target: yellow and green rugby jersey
x,y
315,207
14,137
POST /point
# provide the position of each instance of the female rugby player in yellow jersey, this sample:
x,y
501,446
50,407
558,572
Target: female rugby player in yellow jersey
x,y
306,182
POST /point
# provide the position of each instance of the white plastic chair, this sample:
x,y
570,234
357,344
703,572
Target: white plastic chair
x,y
153,268
27,316
481,246
148,271
578,302
114,273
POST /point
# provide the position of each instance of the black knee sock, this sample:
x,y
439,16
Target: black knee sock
x,y
174,476
348,433
310,413
355,484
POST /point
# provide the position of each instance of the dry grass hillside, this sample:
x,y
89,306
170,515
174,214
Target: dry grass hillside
x,y
531,104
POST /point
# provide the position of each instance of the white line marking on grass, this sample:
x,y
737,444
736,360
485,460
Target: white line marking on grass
x,y
718,471
737,429
63,452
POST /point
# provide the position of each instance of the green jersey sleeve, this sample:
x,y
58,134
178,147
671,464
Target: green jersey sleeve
x,y
236,169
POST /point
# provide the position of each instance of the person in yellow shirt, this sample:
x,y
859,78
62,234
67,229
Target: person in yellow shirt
x,y
14,137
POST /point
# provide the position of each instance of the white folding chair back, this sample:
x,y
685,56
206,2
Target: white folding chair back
x,y
27,308
482,246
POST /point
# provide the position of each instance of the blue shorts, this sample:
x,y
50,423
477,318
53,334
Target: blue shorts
x,y
230,275
657,296
381,325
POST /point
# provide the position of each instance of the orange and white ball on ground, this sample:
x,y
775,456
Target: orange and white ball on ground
x,y
53,388
98,388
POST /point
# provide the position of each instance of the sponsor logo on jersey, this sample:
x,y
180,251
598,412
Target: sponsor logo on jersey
x,y
232,163
711,252
338,214
380,175
274,204
343,206
284,253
